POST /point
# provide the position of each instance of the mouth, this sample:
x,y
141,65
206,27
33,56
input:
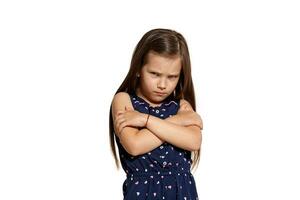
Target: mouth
x,y
160,94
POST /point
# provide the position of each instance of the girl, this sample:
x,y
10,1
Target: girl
x,y
153,120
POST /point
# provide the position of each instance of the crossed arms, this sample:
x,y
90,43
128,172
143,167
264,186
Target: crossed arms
x,y
182,130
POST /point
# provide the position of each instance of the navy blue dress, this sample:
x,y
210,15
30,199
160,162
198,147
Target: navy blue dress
x,y
164,172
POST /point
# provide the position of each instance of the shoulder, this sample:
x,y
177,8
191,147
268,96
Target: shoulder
x,y
184,105
184,102
120,100
121,95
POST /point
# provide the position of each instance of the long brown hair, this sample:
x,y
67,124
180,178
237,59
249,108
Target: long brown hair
x,y
165,42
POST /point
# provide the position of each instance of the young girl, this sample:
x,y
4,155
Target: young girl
x,y
154,123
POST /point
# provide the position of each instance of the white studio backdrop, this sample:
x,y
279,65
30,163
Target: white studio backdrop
x,y
62,61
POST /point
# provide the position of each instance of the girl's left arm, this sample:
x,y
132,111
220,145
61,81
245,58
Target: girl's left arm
x,y
185,137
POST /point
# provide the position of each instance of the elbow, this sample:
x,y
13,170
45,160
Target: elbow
x,y
196,139
133,152
132,149
131,144
137,149
196,145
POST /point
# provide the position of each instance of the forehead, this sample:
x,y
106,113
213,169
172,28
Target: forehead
x,y
163,64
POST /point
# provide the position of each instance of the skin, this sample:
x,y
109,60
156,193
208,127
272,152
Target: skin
x,y
159,74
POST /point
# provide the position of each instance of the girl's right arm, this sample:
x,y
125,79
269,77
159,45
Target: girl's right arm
x,y
134,141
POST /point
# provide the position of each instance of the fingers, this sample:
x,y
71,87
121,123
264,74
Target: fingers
x,y
128,108
193,118
120,112
122,125
188,107
118,119
200,123
119,124
185,107
182,108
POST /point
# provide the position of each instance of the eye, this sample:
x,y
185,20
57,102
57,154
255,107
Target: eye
x,y
172,77
155,74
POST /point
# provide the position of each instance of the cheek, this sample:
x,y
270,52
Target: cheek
x,y
174,84
148,82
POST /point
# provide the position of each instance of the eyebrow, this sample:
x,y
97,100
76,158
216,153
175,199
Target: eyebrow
x,y
151,70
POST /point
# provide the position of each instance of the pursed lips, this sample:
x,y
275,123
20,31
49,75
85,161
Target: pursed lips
x,y
159,93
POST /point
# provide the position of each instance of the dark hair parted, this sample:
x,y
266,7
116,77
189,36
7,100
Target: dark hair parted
x,y
164,42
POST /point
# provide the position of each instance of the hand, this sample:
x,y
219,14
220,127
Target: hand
x,y
188,118
185,107
129,117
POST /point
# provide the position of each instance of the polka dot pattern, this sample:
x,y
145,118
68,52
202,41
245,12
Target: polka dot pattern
x,y
164,172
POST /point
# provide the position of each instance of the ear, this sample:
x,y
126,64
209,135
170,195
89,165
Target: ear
x,y
138,73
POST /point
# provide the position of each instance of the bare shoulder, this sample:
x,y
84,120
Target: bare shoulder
x,y
127,135
186,106
184,103
120,101
121,95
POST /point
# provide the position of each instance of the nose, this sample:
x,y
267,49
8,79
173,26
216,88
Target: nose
x,y
162,84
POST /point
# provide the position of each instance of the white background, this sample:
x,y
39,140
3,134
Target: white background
x,y
62,61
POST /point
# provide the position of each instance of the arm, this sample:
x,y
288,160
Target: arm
x,y
136,141
188,138
182,130
147,141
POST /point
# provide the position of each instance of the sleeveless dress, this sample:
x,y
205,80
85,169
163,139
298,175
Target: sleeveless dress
x,y
164,172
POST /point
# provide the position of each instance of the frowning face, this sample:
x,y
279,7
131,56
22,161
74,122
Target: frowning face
x,y
158,77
